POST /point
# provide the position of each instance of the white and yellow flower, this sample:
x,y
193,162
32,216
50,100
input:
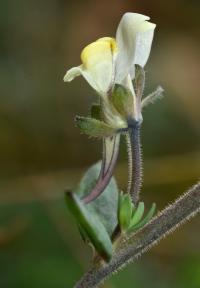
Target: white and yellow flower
x,y
109,61
110,65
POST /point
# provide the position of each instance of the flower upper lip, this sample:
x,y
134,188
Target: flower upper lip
x,y
108,61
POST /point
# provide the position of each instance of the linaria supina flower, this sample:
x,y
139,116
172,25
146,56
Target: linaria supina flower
x,y
109,61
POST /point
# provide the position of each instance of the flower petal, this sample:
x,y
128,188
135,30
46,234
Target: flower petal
x,y
72,73
97,59
77,71
143,43
134,37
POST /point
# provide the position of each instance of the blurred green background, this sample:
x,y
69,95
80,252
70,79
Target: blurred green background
x,y
41,151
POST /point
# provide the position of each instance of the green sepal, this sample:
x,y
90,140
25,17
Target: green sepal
x,y
123,101
125,211
151,98
93,127
96,112
137,214
91,226
146,219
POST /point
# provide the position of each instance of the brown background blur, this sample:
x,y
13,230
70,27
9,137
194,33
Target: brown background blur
x,y
41,151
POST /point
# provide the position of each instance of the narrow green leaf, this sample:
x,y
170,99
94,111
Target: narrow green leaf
x,y
125,212
137,215
83,234
93,127
120,200
146,219
91,225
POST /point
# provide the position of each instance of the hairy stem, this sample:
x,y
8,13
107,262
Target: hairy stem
x,y
134,162
187,206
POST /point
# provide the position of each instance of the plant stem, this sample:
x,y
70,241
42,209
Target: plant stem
x,y
110,155
168,220
134,161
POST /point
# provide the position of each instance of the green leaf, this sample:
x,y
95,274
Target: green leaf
x,y
105,207
122,100
120,200
83,234
125,211
137,214
93,127
91,226
146,219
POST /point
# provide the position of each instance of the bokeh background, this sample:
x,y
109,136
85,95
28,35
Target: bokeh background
x,y
41,151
